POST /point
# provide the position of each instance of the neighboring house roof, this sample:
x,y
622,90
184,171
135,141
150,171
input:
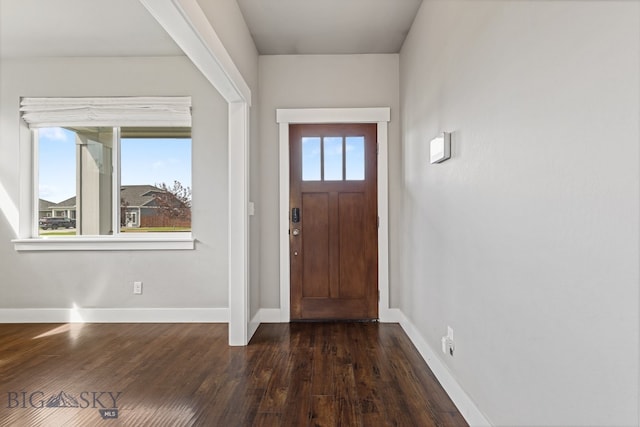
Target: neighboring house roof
x,y
134,196
138,195
44,205
69,203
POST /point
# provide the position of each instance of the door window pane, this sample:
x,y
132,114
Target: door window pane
x,y
311,159
354,153
333,159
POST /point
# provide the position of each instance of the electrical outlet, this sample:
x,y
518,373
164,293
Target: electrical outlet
x,y
137,288
448,345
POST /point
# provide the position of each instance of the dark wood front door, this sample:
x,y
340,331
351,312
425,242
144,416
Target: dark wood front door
x,y
333,219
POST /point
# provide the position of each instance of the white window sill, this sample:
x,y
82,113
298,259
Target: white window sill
x,y
106,243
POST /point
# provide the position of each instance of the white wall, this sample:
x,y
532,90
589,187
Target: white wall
x,y
526,241
181,279
318,81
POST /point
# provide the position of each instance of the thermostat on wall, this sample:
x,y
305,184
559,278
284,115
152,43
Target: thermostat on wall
x,y
440,149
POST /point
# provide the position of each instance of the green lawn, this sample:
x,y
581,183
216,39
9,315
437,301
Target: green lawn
x,y
123,230
154,229
57,233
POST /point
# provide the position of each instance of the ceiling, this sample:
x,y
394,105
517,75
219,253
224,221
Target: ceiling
x,y
32,28
289,27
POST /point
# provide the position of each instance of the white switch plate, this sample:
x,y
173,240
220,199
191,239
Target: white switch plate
x,y
137,288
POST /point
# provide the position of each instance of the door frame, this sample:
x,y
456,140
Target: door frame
x,y
381,116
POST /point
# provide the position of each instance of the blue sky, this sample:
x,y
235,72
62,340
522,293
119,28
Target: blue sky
x,y
333,151
143,161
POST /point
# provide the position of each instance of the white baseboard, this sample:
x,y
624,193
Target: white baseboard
x,y
391,315
463,402
274,315
253,325
270,315
114,315
264,315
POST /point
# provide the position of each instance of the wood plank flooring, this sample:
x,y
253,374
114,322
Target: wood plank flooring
x,y
299,374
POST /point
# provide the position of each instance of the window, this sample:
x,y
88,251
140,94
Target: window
x,y
111,168
333,158
131,219
311,159
155,176
332,147
76,179
354,158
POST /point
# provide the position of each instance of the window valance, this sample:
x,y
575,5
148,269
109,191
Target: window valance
x,y
107,111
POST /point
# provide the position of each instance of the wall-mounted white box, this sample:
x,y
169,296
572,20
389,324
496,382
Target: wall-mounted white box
x,y
440,148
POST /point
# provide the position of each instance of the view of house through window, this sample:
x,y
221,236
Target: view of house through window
x,y
76,190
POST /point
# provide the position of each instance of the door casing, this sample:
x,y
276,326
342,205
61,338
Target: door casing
x,y
381,116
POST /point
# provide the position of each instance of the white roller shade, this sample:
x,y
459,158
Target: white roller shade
x,y
117,111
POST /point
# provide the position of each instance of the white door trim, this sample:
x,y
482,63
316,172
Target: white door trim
x,y
381,116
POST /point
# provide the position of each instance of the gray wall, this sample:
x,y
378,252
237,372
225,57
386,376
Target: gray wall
x,y
526,241
196,279
318,81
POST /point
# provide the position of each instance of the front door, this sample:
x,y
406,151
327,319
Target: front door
x,y
333,236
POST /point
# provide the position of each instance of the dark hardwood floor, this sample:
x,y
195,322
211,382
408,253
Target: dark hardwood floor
x,y
300,374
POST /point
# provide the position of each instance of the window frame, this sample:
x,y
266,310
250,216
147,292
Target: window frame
x,y
29,238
